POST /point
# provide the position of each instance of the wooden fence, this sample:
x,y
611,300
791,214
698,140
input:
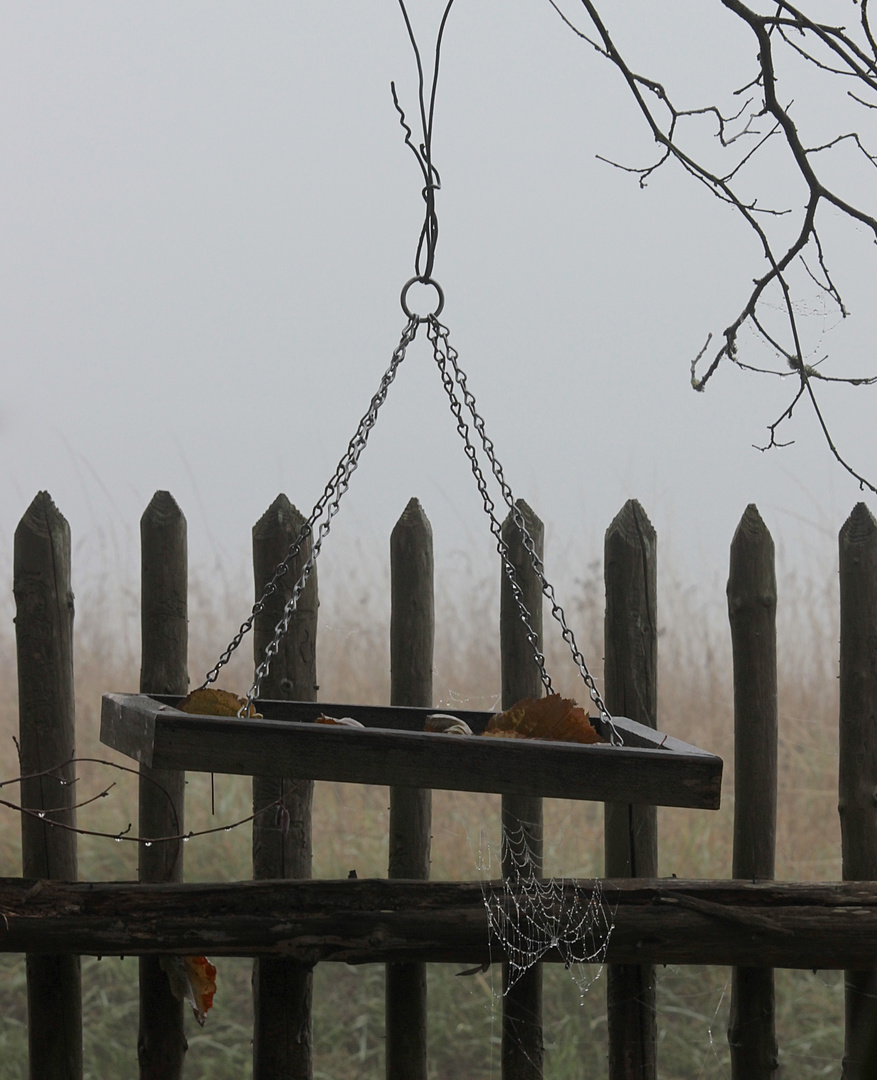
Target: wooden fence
x,y
289,923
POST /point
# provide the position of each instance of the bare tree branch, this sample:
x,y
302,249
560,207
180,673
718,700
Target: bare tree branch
x,y
277,807
833,51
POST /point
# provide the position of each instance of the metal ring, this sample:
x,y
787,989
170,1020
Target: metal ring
x,y
423,281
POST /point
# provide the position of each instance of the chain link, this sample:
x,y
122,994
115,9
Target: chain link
x,y
328,502
489,505
444,354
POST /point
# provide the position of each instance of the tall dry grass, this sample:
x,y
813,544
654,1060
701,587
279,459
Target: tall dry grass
x,y
350,824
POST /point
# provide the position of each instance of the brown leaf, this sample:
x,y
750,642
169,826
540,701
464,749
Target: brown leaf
x,y
553,717
192,979
209,701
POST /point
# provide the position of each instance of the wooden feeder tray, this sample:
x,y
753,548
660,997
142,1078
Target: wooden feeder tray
x,y
393,749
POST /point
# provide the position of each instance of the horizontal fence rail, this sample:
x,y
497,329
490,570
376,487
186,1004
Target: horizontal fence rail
x,y
661,921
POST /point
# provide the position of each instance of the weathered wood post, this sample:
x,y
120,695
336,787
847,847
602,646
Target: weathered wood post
x,y
522,1050
164,638
44,639
631,832
752,603
412,637
283,989
857,781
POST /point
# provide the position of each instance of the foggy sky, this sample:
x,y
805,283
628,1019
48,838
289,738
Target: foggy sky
x,y
207,216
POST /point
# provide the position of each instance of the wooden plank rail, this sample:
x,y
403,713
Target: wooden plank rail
x,y
662,921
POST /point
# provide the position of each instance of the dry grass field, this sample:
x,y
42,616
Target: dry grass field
x,y
351,823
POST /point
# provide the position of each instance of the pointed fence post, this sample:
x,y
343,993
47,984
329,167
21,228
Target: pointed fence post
x,y
164,626
412,636
752,604
44,639
522,1047
631,832
283,989
857,782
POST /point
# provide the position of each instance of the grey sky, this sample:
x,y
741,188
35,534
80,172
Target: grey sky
x,y
207,215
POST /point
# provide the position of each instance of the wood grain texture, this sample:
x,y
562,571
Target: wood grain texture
x,y
857,778
282,847
523,1050
663,921
164,636
631,831
752,604
44,642
412,637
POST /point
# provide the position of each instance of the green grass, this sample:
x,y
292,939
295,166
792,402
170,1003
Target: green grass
x,y
350,829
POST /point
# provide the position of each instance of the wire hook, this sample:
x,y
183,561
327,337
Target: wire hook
x,y
431,179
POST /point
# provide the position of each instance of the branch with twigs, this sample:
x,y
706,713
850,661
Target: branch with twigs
x,y
779,31
277,807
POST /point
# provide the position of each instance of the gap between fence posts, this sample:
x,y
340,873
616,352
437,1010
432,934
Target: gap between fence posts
x,y
857,778
164,641
522,1051
752,604
283,989
44,646
631,832
412,638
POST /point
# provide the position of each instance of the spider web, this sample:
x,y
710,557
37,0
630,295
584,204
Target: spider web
x,y
529,915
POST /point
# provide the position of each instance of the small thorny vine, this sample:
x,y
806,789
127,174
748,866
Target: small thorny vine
x,y
783,34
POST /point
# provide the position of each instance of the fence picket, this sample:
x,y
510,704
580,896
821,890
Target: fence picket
x,y
412,636
631,832
752,602
283,989
857,780
522,1050
44,646
164,639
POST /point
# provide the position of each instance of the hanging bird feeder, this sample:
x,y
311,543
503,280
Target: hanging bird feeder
x,y
627,761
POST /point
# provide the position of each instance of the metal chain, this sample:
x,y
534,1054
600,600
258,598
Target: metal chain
x,y
489,506
445,353
331,497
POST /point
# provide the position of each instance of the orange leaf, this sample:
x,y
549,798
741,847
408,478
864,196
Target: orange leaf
x,y
211,702
192,979
554,718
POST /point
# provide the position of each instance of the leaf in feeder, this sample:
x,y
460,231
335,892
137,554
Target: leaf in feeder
x,y
553,718
211,702
192,979
446,724
340,721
